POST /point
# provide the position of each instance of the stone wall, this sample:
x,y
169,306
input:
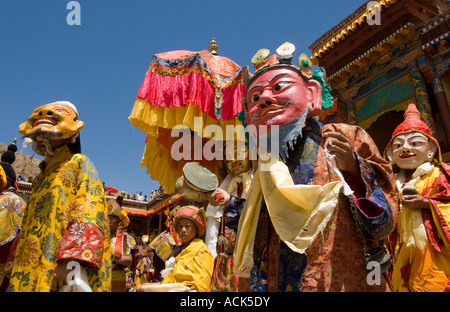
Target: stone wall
x,y
25,165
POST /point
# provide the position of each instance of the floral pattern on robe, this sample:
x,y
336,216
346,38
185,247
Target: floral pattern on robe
x,y
65,217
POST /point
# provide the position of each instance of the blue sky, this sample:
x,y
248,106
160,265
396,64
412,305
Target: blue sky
x,y
99,65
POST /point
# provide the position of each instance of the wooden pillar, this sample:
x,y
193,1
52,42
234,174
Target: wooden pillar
x,y
147,228
160,223
351,112
442,105
423,103
149,222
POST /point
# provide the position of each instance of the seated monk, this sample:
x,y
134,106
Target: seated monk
x,y
191,263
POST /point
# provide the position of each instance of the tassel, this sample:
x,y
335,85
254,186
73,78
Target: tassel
x,y
224,279
118,250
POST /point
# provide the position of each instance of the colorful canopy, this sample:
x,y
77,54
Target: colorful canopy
x,y
179,86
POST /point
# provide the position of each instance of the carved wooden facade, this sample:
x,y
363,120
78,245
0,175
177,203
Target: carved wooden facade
x,y
376,70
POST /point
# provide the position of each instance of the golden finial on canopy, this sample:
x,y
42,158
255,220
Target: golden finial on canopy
x,y
213,47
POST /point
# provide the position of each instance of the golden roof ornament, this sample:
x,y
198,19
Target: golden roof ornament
x,y
213,47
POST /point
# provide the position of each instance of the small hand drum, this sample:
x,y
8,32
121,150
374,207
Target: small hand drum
x,y
409,191
196,182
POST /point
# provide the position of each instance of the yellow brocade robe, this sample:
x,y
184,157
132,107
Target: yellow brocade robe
x,y
428,270
193,266
65,218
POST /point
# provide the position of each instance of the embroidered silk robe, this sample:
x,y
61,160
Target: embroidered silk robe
x,y
427,270
333,261
11,213
65,217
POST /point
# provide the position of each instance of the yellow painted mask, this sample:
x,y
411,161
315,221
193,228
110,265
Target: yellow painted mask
x,y
240,162
58,120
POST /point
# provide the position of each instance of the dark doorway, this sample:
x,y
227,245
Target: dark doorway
x,y
381,129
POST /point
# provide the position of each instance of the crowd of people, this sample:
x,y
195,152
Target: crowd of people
x,y
136,196
152,195
325,212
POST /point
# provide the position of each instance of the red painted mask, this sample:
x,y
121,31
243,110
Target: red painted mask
x,y
280,95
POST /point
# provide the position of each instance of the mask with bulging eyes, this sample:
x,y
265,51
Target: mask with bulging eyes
x,y
51,122
278,96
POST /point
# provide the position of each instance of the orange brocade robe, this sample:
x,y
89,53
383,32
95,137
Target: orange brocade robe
x,y
427,271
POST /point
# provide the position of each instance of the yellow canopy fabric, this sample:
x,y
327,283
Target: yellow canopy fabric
x,y
188,89
158,122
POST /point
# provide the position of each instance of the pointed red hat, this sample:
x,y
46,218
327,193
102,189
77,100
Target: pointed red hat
x,y
413,123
